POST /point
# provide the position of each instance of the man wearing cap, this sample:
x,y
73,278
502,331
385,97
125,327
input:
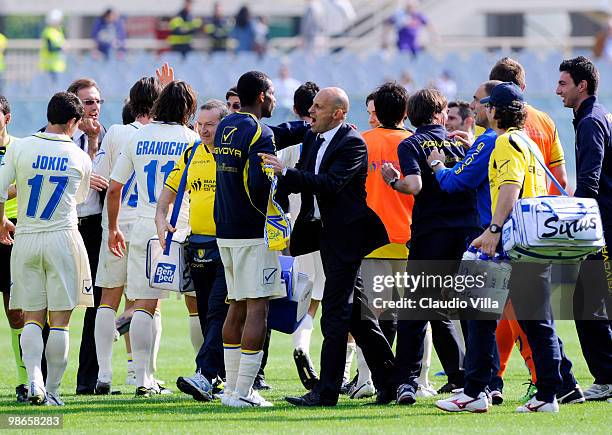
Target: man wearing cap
x,y
514,172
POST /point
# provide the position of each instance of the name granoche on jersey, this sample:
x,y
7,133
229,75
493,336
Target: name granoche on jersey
x,y
160,148
51,163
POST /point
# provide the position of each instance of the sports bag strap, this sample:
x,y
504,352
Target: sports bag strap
x,y
550,175
180,192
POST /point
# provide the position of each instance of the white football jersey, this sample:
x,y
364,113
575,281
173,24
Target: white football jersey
x,y
152,154
52,176
116,138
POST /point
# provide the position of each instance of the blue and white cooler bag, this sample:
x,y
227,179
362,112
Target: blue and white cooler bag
x,y
286,314
168,270
553,229
559,229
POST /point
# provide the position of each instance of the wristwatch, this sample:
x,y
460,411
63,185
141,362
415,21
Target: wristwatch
x,y
392,183
435,163
495,229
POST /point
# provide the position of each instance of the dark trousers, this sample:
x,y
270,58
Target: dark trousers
x,y
409,350
211,295
447,343
338,317
568,381
481,357
530,294
443,244
90,228
592,308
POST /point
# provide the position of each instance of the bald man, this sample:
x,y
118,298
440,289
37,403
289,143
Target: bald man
x,y
335,218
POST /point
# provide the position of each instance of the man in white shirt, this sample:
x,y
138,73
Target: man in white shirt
x,y
151,154
49,261
112,270
88,137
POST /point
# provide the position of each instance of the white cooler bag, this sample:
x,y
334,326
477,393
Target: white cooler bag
x,y
557,229
168,271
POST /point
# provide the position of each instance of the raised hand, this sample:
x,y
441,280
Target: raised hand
x,y
165,74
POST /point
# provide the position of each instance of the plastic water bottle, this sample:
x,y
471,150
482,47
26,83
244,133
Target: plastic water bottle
x,y
504,270
467,261
494,293
470,254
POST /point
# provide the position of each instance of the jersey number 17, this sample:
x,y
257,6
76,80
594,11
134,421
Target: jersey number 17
x,y
36,184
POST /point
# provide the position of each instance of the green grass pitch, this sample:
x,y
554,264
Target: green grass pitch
x,y
180,414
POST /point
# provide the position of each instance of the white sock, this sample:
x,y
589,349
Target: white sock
x,y
195,332
301,336
156,332
32,347
350,351
231,357
56,353
141,337
104,334
250,361
423,378
364,370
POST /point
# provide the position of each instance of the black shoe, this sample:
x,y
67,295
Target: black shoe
x,y
496,396
406,395
306,371
385,396
85,390
309,399
22,393
102,388
448,388
573,395
144,392
345,388
260,384
218,385
123,322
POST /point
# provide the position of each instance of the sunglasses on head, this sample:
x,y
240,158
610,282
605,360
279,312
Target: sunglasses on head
x,y
90,102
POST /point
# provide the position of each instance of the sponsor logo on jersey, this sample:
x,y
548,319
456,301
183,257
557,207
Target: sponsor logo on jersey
x,y
228,134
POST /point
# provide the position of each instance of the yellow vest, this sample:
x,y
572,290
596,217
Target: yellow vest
x,y
2,48
51,52
181,31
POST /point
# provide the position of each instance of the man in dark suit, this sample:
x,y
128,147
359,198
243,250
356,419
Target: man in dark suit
x,y
335,218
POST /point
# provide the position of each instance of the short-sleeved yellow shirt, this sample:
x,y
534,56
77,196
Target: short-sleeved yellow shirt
x,y
513,163
201,183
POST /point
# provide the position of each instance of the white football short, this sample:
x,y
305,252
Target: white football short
x,y
50,270
251,270
112,270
